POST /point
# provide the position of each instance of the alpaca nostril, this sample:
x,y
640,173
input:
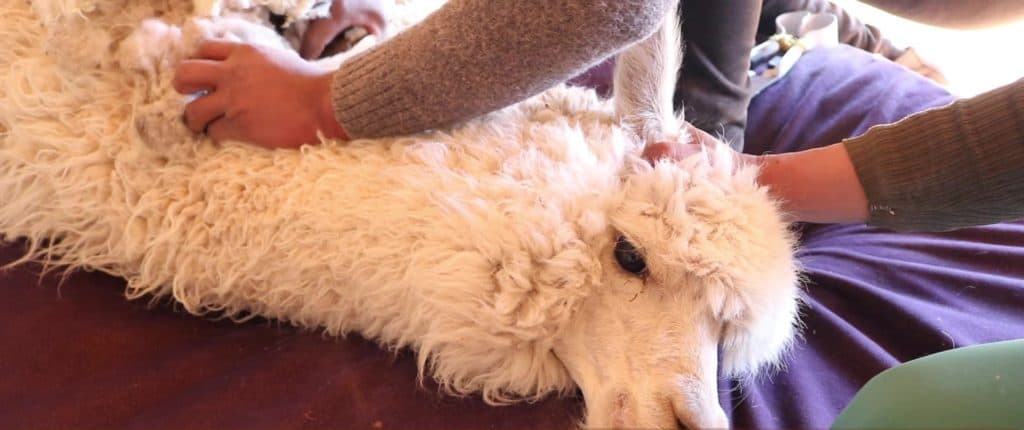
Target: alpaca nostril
x,y
622,410
693,415
696,405
628,410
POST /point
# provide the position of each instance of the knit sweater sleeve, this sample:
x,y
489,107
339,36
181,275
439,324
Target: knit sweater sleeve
x,y
475,56
949,167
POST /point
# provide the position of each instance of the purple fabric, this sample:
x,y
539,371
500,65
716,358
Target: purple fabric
x,y
75,354
874,298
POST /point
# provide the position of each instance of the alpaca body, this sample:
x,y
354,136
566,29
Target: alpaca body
x,y
489,248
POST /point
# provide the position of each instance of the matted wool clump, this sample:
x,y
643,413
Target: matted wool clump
x,y
527,252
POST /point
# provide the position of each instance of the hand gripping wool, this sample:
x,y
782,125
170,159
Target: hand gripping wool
x,y
527,252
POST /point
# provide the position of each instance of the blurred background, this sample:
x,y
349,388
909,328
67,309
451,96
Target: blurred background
x,y
973,61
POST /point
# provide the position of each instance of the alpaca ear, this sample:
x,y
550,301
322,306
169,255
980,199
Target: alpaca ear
x,y
758,329
755,299
645,82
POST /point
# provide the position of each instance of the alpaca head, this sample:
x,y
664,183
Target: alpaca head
x,y
698,278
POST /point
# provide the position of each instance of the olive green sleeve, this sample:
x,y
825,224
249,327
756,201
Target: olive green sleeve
x,y
948,167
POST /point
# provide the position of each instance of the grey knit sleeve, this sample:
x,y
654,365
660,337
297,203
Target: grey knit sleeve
x,y
474,56
948,167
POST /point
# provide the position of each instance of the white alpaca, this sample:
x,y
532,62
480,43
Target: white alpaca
x,y
526,252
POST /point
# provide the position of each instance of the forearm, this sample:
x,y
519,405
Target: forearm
x,y
949,167
818,185
475,56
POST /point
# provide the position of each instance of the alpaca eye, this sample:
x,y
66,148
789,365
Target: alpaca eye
x,y
629,258
278,22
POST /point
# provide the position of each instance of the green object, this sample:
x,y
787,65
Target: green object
x,y
978,387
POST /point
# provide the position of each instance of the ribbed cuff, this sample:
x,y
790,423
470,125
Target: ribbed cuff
x,y
360,90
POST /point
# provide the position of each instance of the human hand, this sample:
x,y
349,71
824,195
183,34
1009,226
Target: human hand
x,y
345,14
817,185
699,141
268,97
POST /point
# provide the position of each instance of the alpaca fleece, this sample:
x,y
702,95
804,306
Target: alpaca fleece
x,y
487,247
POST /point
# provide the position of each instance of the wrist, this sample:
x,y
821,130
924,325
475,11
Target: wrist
x,y
767,166
781,174
326,115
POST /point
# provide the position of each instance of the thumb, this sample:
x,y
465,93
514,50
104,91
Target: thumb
x,y
699,140
319,33
672,151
